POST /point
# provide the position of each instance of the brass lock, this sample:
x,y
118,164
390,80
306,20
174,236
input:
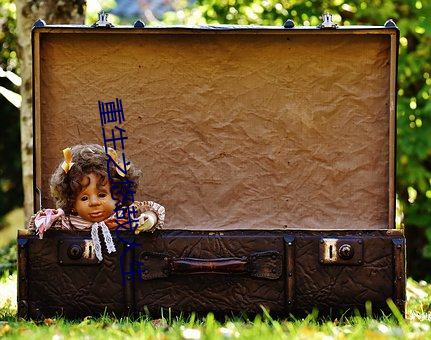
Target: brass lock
x,y
74,251
341,251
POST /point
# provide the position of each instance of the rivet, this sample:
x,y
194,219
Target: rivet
x,y
289,244
399,246
290,274
359,261
273,257
145,258
274,270
61,261
360,241
321,241
321,261
128,277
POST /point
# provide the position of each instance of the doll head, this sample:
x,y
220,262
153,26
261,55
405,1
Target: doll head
x,y
86,183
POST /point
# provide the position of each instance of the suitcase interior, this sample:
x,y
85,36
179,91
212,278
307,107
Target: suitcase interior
x,y
235,128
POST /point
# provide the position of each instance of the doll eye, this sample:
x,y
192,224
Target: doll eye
x,y
84,198
102,195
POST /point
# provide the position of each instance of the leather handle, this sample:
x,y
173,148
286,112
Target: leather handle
x,y
264,264
233,265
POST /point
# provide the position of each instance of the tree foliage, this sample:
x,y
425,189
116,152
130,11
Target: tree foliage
x,y
414,82
10,166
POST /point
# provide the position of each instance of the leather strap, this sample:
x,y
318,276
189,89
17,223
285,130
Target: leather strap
x,y
267,265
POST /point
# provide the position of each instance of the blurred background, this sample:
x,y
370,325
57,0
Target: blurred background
x,y
413,178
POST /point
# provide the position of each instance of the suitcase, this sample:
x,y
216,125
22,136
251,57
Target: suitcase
x,y
271,148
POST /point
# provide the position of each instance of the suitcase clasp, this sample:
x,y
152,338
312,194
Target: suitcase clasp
x,y
327,21
103,20
341,251
77,251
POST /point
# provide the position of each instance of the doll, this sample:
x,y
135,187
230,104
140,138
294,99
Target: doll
x,y
88,198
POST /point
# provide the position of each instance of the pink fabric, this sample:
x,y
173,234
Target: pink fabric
x,y
45,218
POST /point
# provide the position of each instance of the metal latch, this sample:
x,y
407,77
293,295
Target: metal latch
x,y
327,22
341,251
103,20
76,251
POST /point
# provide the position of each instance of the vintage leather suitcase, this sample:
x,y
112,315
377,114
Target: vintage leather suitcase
x,y
271,148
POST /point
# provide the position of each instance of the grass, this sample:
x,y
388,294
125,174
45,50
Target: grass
x,y
417,324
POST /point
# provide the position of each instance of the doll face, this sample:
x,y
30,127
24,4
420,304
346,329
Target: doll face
x,y
94,203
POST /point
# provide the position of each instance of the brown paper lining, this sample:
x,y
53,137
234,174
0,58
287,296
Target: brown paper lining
x,y
232,131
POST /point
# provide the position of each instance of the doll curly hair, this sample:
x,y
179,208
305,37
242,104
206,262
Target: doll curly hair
x,y
89,158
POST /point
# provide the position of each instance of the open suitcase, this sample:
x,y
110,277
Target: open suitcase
x,y
271,148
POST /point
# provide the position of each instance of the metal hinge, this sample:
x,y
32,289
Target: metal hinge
x,y
39,192
327,22
103,20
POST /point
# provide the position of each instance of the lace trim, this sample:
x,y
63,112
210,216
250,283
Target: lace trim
x,y
96,240
108,238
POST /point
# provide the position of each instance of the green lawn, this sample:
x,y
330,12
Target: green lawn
x,y
415,326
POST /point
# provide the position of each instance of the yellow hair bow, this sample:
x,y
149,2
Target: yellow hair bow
x,y
119,164
67,164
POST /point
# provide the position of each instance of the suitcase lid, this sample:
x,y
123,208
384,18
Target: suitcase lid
x,y
234,127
